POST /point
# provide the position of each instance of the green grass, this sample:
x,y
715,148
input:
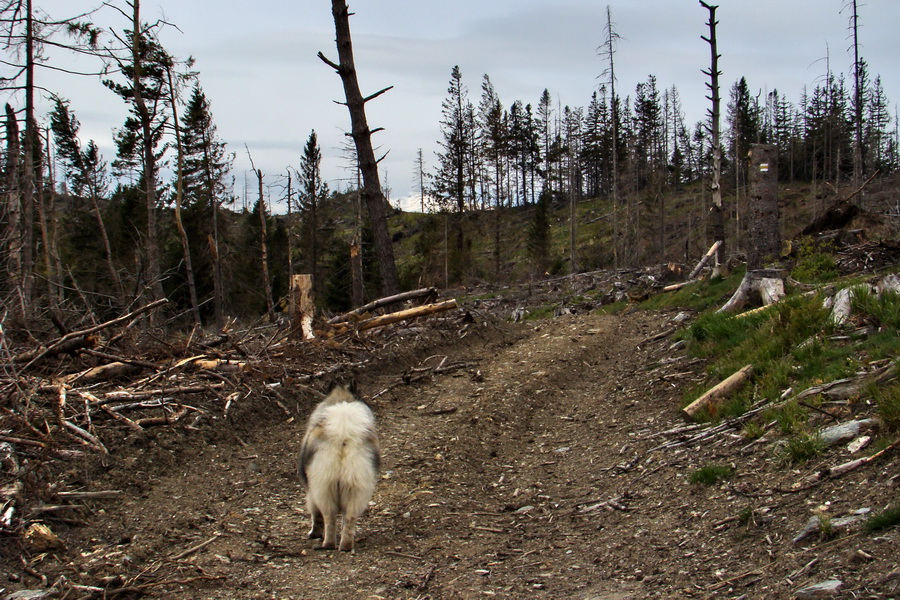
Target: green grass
x,y
541,312
800,448
889,517
790,417
711,474
697,296
888,402
815,262
879,310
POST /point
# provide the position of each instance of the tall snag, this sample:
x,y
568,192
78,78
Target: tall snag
x,y
717,212
372,194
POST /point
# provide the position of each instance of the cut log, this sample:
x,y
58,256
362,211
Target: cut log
x,y
71,345
410,313
221,365
851,387
102,373
382,302
718,392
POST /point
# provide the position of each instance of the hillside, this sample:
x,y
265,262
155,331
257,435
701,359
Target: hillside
x,y
533,443
496,244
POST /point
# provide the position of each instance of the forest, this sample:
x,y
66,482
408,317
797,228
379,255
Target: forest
x,y
97,235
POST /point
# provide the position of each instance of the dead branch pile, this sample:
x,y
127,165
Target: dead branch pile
x,y
84,393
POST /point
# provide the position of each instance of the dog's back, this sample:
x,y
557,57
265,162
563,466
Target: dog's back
x,y
339,462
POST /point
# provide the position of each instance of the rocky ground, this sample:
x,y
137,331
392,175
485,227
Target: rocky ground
x,y
520,460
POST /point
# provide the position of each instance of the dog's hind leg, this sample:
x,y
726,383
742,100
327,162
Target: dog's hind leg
x,y
318,522
329,536
348,532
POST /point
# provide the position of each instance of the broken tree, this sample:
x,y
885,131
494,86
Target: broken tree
x,y
372,194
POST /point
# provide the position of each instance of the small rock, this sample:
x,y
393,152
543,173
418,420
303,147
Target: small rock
x,y
858,444
824,589
40,538
846,431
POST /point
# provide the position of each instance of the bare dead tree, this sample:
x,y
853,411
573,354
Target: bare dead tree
x,y
717,213
607,51
372,193
179,192
264,246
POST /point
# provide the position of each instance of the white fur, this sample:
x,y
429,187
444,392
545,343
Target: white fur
x,y
339,464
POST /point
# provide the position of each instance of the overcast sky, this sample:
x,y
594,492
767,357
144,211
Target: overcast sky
x,y
268,90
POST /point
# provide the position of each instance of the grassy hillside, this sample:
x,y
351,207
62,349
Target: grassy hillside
x,y
662,229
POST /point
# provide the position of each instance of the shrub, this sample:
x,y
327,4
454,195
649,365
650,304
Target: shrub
x,y
889,517
710,474
800,448
815,263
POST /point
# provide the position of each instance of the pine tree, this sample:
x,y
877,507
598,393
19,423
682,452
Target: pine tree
x,y
143,62
538,235
493,137
545,138
86,172
451,184
206,169
313,192
649,158
744,129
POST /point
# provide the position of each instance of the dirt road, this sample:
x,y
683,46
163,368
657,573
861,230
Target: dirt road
x,y
526,474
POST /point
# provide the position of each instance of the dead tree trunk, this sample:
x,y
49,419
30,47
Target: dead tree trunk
x,y
179,198
372,194
264,248
764,214
717,212
302,306
765,232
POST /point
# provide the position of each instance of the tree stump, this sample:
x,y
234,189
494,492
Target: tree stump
x,y
302,305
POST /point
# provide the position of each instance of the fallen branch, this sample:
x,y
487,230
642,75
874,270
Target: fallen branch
x,y
662,334
61,342
703,261
721,390
196,548
358,312
403,315
101,495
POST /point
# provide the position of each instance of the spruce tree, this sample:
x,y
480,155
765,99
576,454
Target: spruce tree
x,y
313,192
206,171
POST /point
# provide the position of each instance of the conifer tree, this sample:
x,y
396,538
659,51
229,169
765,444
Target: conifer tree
x,y
143,61
86,172
538,235
206,171
313,192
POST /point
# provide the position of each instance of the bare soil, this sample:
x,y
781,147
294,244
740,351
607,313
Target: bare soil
x,y
527,470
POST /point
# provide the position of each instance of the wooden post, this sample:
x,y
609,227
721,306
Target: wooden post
x,y
302,305
764,215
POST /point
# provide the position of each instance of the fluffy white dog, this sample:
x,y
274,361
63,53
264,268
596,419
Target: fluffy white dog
x,y
339,462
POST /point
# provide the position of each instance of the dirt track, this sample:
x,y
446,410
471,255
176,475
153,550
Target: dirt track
x,y
525,475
